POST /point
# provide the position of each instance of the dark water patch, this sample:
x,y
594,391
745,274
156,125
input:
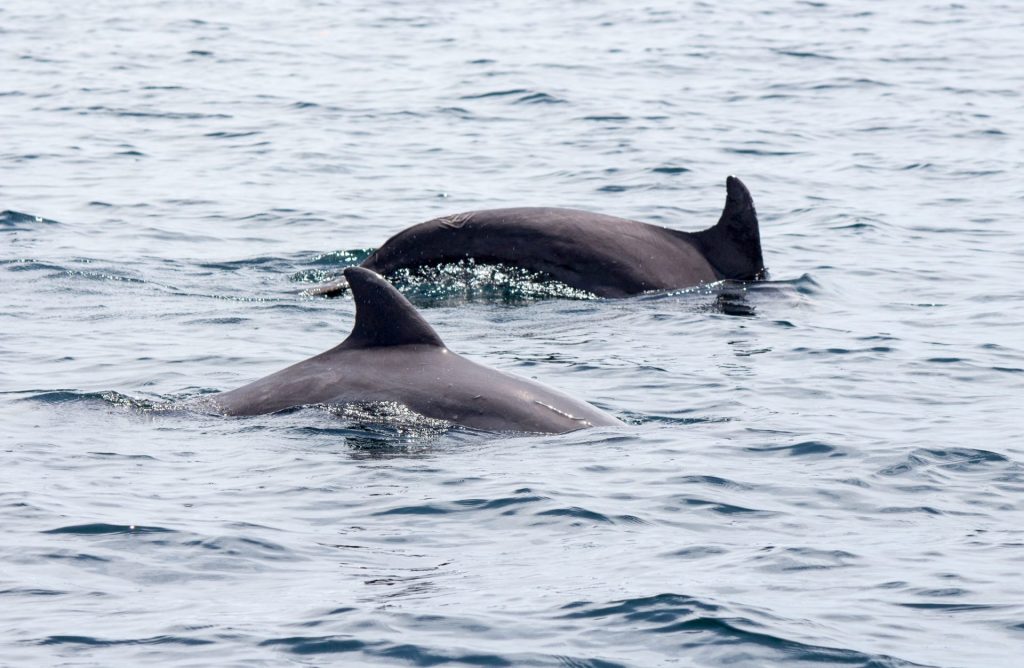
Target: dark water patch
x,y
806,448
317,644
539,98
110,398
100,642
100,529
576,513
672,171
610,118
720,508
942,593
794,559
761,152
232,135
424,509
900,510
420,656
218,321
132,113
952,607
805,54
17,221
118,455
658,608
242,546
508,505
500,503
958,460
30,591
460,112
25,264
698,552
711,480
72,556
692,625
496,93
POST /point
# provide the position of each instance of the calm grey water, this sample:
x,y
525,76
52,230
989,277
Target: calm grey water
x,y
822,469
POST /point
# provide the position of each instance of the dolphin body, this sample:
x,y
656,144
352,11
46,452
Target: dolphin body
x,y
393,355
603,255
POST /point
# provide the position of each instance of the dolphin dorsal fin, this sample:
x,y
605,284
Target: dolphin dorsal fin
x,y
383,316
733,245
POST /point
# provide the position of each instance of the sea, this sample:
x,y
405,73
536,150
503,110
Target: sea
x,y
823,468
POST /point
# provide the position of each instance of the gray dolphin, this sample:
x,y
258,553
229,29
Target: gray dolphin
x,y
393,355
604,255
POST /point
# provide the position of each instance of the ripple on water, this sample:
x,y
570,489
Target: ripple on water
x,y
925,461
99,528
15,221
703,628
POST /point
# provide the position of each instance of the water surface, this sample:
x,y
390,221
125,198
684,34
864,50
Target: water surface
x,y
824,468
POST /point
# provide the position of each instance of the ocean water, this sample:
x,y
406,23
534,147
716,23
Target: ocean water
x,y
820,469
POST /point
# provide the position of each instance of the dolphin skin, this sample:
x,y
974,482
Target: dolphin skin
x,y
603,255
393,355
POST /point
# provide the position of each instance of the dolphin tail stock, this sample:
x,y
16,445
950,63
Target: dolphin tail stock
x,y
733,244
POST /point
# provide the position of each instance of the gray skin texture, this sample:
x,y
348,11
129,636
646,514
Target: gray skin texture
x,y
604,255
393,355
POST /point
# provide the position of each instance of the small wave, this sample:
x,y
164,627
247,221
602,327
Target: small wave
x,y
242,546
805,54
127,113
100,642
610,118
803,449
722,508
576,513
495,93
509,505
18,221
317,644
539,98
960,460
110,397
100,528
232,135
670,170
31,591
761,152
688,623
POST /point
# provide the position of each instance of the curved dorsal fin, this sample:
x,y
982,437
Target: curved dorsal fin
x,y
733,245
383,316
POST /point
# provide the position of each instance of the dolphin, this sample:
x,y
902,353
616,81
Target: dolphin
x,y
600,254
394,355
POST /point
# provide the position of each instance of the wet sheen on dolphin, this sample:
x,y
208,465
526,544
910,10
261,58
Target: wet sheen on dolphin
x,y
393,355
603,255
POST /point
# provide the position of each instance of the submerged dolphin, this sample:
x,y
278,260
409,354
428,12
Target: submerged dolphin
x,y
393,355
604,255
